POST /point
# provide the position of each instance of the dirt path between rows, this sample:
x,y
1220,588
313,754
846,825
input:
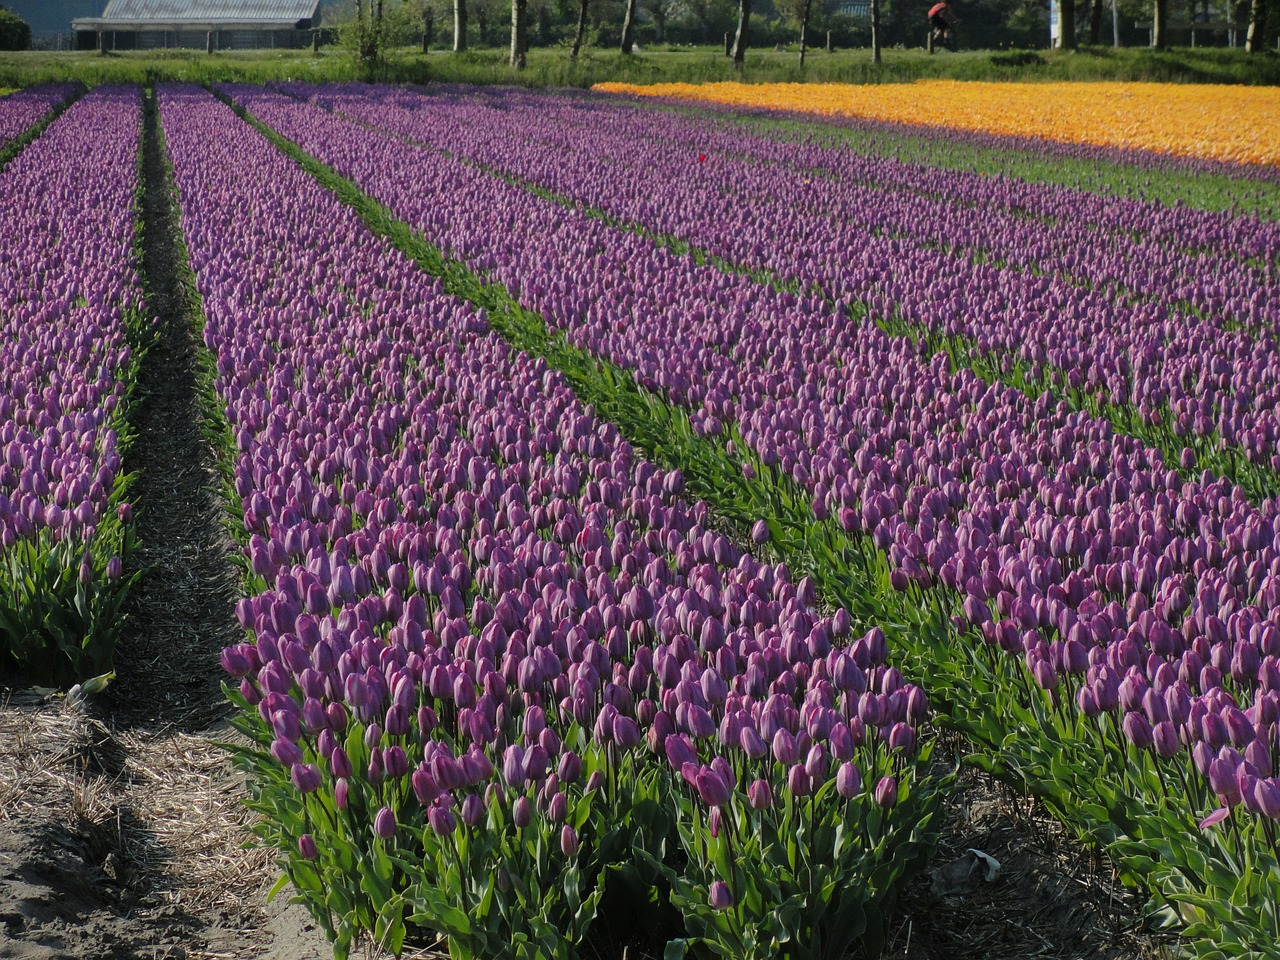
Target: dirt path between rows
x,y
120,819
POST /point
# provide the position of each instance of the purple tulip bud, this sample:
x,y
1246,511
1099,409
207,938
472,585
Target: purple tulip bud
x,y
799,782
395,762
719,896
558,808
626,733
902,737
785,749
384,824
424,785
286,752
712,788
1165,739
760,795
305,777
568,841
307,847
340,792
441,819
472,810
1138,730
760,532
752,743
848,780
570,768
522,812
886,792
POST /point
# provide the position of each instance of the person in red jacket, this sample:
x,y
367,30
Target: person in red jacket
x,y
942,21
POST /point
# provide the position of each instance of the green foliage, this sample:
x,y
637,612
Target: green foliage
x,y
552,67
811,878
15,33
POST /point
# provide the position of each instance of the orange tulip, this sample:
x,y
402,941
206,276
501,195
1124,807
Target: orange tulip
x,y
1218,122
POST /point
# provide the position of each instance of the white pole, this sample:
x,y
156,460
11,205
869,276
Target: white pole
x,y
1115,25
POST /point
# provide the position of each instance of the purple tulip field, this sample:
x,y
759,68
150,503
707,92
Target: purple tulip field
x,y
72,319
22,110
628,499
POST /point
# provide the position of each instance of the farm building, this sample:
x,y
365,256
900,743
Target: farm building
x,y
211,24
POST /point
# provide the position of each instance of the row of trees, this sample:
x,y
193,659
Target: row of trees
x,y
622,24
1254,22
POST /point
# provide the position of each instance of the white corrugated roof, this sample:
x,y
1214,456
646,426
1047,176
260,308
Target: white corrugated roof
x,y
205,11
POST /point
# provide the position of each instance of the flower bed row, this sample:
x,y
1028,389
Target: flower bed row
x,y
574,124
1176,118
1200,388
499,665
71,325
1141,606
23,109
1168,180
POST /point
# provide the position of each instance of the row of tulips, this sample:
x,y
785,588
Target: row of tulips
x,y
1143,607
500,667
1188,361
23,109
1175,118
72,323
1082,218
1110,171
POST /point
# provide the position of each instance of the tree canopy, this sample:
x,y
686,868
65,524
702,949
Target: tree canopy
x,y
15,33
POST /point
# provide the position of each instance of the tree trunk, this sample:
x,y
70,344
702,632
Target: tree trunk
x,y
482,21
804,31
1256,38
1158,29
459,26
1095,23
740,38
1066,24
582,29
875,31
628,28
519,34
659,25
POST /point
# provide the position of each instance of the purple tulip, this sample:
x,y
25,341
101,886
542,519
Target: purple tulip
x,y
384,823
848,780
759,795
307,847
886,792
441,819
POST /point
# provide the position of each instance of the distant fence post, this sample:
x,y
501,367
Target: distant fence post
x,y
208,42
831,47
728,45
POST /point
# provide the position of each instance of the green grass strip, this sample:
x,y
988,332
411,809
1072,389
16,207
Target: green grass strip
x,y
1141,809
